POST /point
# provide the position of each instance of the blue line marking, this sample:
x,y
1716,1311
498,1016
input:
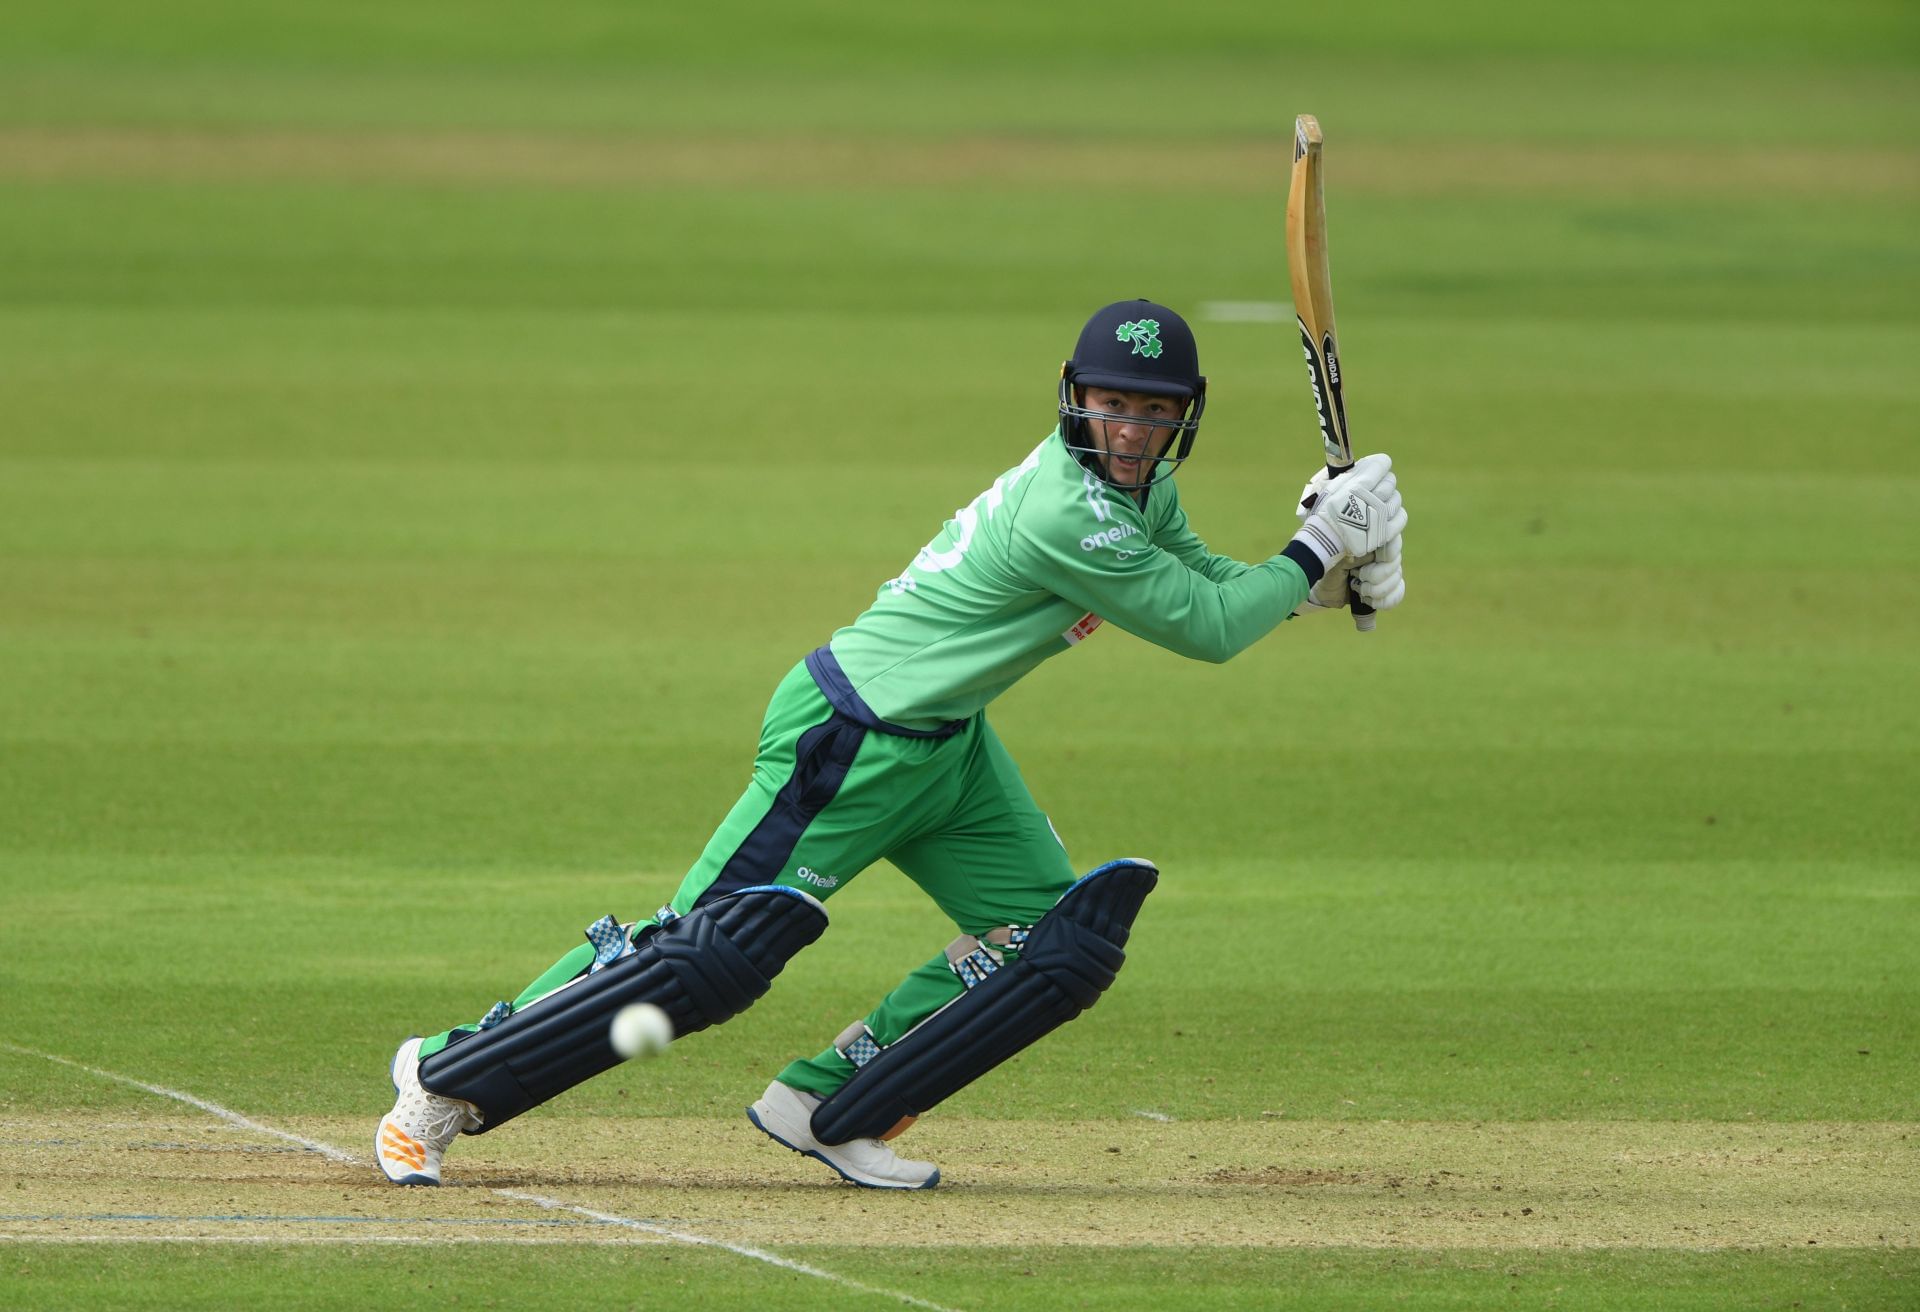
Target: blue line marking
x,y
256,1219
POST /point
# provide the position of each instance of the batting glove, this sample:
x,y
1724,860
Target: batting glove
x,y
1310,494
1357,512
1330,593
1379,581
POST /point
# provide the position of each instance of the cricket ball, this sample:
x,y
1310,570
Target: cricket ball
x,y
640,1029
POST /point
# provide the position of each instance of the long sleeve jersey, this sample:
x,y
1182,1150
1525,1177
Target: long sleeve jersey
x,y
1031,568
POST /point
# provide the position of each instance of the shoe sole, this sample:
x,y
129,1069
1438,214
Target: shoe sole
x,y
753,1114
393,1077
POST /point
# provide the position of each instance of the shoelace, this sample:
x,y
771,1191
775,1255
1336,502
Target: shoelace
x,y
437,1119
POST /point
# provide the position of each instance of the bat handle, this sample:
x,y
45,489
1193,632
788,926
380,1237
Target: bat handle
x,y
1362,613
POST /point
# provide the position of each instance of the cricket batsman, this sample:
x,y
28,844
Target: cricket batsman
x,y
876,745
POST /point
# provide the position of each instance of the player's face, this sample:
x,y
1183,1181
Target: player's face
x,y
1128,448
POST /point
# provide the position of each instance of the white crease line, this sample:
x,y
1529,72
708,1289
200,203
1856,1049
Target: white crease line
x,y
685,1237
231,1117
334,1154
1154,1116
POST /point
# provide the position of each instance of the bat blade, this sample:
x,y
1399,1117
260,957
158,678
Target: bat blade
x,y
1311,274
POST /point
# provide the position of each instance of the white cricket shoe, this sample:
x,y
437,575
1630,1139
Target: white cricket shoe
x,y
415,1134
785,1115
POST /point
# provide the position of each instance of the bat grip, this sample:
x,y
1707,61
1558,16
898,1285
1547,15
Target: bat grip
x,y
1362,613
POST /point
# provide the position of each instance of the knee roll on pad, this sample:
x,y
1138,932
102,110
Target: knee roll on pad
x,y
1069,959
701,968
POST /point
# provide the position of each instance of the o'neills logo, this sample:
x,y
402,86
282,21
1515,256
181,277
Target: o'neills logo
x,y
1106,537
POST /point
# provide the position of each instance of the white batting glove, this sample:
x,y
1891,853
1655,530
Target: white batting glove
x,y
1330,593
1310,494
1379,581
1357,513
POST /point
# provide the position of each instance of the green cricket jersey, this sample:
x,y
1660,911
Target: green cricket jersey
x,y
1032,567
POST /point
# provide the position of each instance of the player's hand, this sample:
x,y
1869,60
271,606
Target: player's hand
x,y
1360,510
1330,593
1379,581
1310,494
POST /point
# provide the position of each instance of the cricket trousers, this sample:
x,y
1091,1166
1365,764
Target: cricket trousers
x,y
836,789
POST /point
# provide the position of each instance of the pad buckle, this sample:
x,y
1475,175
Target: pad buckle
x,y
611,941
857,1044
974,958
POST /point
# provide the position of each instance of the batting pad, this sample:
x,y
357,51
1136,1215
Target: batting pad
x,y
701,968
1069,960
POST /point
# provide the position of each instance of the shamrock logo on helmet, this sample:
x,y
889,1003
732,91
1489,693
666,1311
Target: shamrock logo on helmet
x,y
1144,334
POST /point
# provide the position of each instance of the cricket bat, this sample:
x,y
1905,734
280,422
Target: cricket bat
x,y
1313,307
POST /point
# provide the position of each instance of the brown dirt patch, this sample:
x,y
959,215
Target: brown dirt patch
x,y
578,160
1275,1178
1263,1184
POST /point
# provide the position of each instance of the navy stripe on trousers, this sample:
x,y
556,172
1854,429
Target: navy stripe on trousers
x,y
821,760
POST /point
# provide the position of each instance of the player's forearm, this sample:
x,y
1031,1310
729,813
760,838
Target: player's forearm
x,y
1215,622
1222,569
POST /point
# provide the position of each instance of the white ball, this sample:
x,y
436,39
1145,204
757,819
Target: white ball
x,y
640,1029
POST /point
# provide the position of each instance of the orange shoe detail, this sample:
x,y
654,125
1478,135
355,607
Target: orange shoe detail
x,y
401,1145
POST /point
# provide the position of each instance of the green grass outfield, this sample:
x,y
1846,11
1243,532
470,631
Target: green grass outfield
x,y
428,432
1009,1278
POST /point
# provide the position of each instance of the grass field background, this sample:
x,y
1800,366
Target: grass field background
x,y
428,432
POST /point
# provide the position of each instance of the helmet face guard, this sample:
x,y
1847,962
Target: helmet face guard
x,y
1133,346
1084,432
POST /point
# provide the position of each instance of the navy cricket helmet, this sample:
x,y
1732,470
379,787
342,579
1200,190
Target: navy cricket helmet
x,y
1133,346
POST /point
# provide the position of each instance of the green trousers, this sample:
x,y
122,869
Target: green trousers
x,y
835,790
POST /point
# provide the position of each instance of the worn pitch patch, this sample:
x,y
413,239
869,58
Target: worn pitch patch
x,y
1272,1183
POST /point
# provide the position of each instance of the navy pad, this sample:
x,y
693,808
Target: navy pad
x,y
701,968
1069,960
